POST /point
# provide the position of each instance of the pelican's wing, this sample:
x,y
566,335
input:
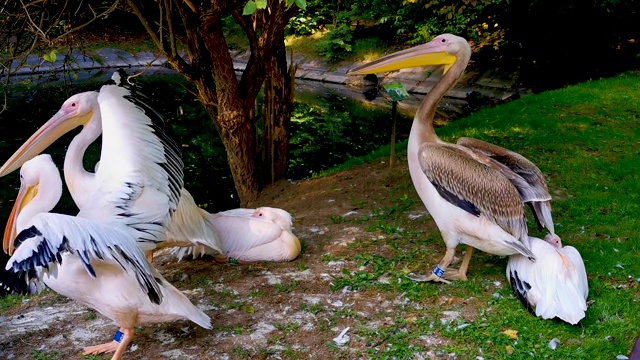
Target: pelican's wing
x,y
41,245
141,170
580,273
189,223
239,212
525,176
532,188
239,234
474,187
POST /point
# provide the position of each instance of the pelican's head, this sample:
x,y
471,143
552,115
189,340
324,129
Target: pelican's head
x,y
443,50
554,240
277,216
78,110
35,172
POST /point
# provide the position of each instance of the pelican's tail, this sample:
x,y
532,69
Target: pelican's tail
x,y
195,251
553,286
176,305
191,224
542,212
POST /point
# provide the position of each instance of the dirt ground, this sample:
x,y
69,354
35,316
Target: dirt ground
x,y
261,311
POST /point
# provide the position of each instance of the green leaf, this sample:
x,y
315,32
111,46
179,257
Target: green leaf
x,y
302,4
261,4
51,57
250,8
289,2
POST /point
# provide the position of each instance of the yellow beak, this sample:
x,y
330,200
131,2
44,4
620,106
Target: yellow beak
x,y
431,53
60,124
25,195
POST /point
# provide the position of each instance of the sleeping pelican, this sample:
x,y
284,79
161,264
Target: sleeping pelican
x,y
250,235
553,286
473,190
94,113
107,288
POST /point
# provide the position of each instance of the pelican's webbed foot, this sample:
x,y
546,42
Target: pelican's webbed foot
x,y
431,277
105,348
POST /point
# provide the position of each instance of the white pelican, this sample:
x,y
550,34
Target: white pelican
x,y
95,113
473,190
108,289
553,286
250,235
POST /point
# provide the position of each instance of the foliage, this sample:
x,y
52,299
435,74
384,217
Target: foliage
x,y
338,43
473,19
339,130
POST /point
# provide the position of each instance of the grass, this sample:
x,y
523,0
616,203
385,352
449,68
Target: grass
x,y
585,140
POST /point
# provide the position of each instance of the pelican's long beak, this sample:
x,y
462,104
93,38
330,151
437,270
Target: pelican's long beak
x,y
432,53
25,195
61,123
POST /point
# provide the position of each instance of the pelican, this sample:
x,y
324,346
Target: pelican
x,y
555,285
250,235
109,289
95,114
474,190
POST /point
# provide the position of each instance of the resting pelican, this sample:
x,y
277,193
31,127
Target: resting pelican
x,y
473,190
87,110
110,291
250,235
555,285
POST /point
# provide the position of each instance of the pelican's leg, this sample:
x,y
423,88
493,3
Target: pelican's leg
x,y
437,274
126,339
109,347
460,274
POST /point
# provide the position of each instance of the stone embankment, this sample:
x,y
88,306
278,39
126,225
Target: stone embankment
x,y
475,89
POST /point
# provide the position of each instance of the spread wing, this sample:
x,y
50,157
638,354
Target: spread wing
x,y
41,245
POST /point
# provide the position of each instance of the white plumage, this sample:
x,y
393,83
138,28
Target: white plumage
x,y
250,235
92,275
555,285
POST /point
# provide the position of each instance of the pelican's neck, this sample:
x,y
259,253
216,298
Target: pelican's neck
x,y
422,129
49,193
78,179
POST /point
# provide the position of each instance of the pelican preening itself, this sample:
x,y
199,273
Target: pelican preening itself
x,y
474,190
93,277
250,235
119,113
555,285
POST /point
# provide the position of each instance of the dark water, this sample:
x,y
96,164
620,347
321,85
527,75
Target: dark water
x,y
326,130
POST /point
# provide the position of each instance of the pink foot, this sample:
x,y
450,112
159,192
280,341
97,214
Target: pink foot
x,y
101,349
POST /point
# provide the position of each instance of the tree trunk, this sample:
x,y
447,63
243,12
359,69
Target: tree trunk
x,y
236,131
278,105
229,101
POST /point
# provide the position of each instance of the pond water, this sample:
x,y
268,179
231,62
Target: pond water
x,y
327,129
